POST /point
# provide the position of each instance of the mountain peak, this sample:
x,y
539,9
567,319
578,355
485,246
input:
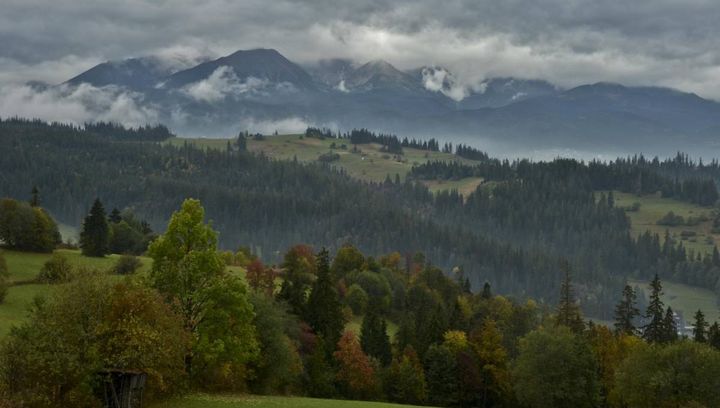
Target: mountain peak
x,y
132,73
380,74
261,63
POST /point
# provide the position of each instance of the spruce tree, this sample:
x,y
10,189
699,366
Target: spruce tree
x,y
324,311
714,336
486,291
95,235
568,311
35,197
700,327
653,331
373,336
115,216
669,326
626,312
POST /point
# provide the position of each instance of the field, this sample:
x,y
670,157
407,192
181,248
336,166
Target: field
x,y
247,401
653,207
369,163
687,299
24,267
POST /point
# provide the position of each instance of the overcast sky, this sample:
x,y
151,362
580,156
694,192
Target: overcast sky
x,y
569,42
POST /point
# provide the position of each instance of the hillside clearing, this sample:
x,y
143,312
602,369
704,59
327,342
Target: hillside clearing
x,y
369,163
24,268
686,299
255,401
653,207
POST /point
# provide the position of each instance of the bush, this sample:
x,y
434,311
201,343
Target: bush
x,y
84,328
329,157
357,299
56,270
670,219
127,265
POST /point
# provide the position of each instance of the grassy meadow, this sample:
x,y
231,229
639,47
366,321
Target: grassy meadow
x,y
369,164
687,299
24,268
255,401
653,207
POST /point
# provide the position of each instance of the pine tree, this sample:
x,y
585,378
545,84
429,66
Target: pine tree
x,y
441,376
669,326
700,327
319,375
714,336
486,291
95,235
653,331
568,311
324,311
35,197
626,312
374,339
115,216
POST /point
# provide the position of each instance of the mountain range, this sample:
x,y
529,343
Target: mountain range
x,y
225,95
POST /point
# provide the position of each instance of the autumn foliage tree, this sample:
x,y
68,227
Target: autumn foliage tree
x,y
406,379
355,373
260,277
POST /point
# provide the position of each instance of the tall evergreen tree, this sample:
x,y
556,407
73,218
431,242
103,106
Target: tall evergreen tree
x,y
115,216
700,327
374,339
626,312
486,291
323,310
653,331
95,235
299,268
568,311
670,326
714,336
35,197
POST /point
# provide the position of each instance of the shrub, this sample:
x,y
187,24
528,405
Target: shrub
x,y
329,157
357,299
670,219
56,270
127,265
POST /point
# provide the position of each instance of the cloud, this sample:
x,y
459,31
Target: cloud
x,y
567,42
341,86
223,83
440,80
282,126
84,103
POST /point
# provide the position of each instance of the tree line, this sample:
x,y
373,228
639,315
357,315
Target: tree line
x,y
513,231
194,324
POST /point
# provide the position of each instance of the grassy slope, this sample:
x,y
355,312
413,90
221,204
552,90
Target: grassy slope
x,y
653,207
370,165
243,401
687,299
24,266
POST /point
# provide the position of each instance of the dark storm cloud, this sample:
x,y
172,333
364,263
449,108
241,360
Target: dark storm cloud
x,y
671,43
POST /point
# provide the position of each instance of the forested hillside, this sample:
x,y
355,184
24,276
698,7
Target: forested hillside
x,y
512,232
